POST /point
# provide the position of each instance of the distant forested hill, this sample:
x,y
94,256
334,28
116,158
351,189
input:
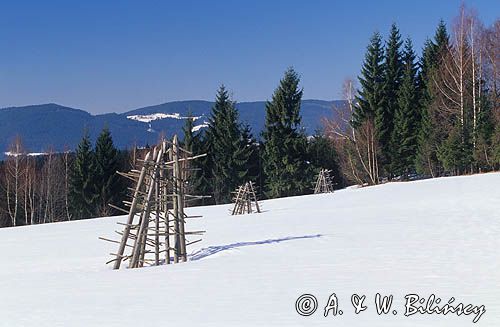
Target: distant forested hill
x,y
51,125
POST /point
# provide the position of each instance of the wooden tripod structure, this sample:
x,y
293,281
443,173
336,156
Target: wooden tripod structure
x,y
245,200
324,182
155,226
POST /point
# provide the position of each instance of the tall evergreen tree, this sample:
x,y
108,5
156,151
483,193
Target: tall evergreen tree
x,y
197,181
286,170
429,135
83,195
441,39
495,141
370,99
253,154
406,120
426,158
107,182
228,152
322,154
454,153
369,103
384,121
204,165
485,135
188,133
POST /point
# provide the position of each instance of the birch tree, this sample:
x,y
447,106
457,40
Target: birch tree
x,y
357,145
14,173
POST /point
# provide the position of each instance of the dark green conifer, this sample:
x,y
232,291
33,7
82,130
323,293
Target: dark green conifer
x,y
83,195
370,99
429,135
252,147
197,181
384,119
407,117
227,151
108,184
322,154
285,166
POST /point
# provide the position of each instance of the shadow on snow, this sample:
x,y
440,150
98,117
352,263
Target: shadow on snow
x,y
211,250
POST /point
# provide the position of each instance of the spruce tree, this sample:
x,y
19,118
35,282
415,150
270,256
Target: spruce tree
x,y
108,183
286,171
454,153
370,99
429,135
197,181
441,38
228,152
369,102
495,141
485,135
253,154
426,157
384,121
83,195
204,184
322,154
406,120
188,133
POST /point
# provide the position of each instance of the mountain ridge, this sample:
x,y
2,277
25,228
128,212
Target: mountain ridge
x,y
59,127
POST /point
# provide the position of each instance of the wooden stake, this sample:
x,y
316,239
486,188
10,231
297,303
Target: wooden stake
x,y
131,215
175,209
141,239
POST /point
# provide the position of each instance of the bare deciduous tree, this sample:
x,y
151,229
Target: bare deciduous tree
x,y
14,175
491,64
357,145
29,187
454,73
66,159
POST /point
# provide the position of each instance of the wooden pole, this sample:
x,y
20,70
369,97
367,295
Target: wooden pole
x,y
143,239
236,201
180,203
175,210
161,188
164,173
157,219
131,215
140,241
257,208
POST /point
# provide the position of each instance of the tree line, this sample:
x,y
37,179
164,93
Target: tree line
x,y
82,183
407,118
63,186
433,116
282,161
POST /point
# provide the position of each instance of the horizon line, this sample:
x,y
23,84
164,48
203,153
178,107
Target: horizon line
x,y
142,107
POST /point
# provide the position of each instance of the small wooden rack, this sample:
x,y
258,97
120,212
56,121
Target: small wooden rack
x,y
324,182
245,200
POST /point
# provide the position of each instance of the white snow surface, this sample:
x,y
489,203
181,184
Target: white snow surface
x,y
439,236
198,127
31,154
158,116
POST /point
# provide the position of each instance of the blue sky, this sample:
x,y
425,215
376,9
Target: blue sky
x,y
104,56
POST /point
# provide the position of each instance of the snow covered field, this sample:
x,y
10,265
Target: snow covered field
x,y
438,236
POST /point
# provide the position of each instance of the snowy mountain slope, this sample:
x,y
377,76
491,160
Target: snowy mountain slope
x,y
436,236
151,117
